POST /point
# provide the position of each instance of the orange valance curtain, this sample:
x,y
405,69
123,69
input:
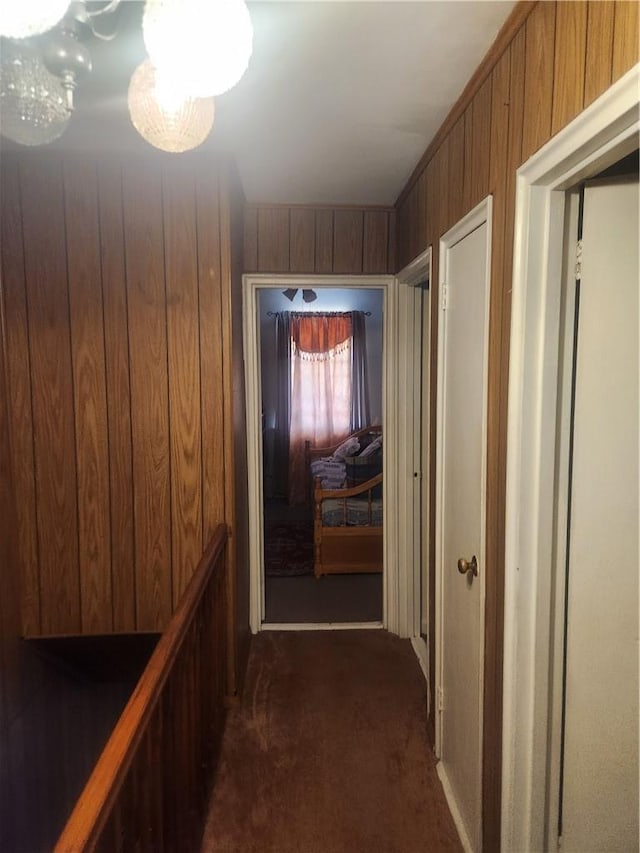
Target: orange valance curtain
x,y
320,334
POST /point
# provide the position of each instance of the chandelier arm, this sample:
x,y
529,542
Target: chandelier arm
x,y
108,9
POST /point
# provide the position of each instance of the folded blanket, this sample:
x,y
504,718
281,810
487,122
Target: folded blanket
x,y
332,472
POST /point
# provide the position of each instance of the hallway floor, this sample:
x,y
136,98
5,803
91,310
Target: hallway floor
x,y
327,752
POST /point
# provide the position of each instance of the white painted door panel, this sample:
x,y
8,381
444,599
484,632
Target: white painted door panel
x,y
463,325
600,789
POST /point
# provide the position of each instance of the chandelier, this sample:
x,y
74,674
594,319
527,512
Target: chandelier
x,y
197,49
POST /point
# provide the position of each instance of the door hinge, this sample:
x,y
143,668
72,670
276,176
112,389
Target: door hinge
x,y
578,268
439,699
443,299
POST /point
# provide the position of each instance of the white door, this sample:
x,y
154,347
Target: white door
x,y
461,455
599,787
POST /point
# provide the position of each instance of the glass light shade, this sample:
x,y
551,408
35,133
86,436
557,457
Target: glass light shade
x,y
21,19
33,104
167,122
203,46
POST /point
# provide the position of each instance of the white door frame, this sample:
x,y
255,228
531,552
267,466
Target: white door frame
x,y
606,131
474,219
251,285
413,537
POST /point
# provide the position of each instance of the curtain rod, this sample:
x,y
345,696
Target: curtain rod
x,y
273,313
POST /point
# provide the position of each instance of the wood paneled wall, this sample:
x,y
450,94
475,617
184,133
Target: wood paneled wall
x,y
349,240
117,294
550,61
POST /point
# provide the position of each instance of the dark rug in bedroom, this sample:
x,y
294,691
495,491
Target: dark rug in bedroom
x,y
288,549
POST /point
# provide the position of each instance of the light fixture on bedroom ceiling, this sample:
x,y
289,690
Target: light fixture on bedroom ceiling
x,y
308,295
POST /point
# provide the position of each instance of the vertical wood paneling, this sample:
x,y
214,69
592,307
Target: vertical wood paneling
x,y
324,241
376,241
467,168
149,392
273,239
19,383
421,229
626,50
598,48
250,239
412,223
116,352
114,297
302,247
569,63
89,380
540,52
481,143
431,184
441,215
228,341
456,172
211,355
52,395
181,274
347,241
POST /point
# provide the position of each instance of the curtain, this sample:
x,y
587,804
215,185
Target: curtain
x,y
283,404
360,412
322,389
321,379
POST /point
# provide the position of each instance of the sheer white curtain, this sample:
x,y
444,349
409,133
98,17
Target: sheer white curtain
x,y
321,389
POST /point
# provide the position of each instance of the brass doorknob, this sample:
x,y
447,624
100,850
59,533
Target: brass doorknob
x,y
465,566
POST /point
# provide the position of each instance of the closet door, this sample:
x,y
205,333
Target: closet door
x,y
599,786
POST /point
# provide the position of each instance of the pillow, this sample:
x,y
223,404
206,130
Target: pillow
x,y
348,448
370,449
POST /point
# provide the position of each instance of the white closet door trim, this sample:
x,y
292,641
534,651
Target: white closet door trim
x,y
606,131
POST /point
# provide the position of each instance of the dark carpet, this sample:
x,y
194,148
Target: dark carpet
x,y
327,752
288,548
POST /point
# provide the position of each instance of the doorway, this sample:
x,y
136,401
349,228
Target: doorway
x,y
595,657
604,133
320,396
253,286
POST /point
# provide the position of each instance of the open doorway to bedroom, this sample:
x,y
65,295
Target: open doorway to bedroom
x,y
321,391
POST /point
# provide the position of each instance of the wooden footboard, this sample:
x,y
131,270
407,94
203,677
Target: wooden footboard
x,y
347,549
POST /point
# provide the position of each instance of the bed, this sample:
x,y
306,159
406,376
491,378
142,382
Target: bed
x,y
347,504
347,528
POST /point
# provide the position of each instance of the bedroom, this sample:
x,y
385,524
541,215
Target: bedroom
x,y
338,393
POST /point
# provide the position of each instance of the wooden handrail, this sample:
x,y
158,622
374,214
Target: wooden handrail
x,y
93,808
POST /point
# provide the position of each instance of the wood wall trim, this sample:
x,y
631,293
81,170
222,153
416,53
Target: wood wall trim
x,y
518,16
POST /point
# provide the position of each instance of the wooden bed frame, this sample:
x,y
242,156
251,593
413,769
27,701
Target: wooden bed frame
x,y
343,550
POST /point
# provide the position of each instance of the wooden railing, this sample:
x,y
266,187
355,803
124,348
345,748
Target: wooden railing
x,y
149,789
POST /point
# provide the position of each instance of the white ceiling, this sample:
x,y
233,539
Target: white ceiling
x,y
339,101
